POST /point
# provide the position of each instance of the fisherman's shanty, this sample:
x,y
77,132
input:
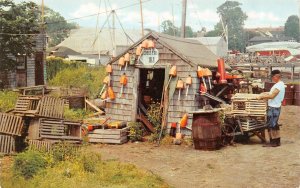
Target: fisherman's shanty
x,y
147,66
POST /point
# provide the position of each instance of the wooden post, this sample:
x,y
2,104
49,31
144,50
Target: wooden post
x,y
135,93
183,18
142,18
292,73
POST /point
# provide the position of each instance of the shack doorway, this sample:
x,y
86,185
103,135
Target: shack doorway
x,y
151,85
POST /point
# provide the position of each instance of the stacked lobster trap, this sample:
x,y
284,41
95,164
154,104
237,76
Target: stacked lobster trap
x,y
250,112
40,120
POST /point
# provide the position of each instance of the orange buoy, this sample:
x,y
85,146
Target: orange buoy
x,y
127,57
151,44
106,80
138,50
111,93
104,95
121,62
188,82
108,68
173,71
180,86
184,120
200,73
145,43
123,79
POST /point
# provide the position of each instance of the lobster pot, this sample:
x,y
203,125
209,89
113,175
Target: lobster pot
x,y
7,144
206,131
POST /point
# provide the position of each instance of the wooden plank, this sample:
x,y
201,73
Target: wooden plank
x,y
109,141
93,106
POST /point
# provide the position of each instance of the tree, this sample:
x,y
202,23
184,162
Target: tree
x,y
291,27
19,23
57,27
169,28
234,18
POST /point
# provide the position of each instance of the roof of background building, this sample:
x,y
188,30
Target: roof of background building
x,y
85,40
209,41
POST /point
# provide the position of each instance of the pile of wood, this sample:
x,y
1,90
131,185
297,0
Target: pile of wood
x,y
39,119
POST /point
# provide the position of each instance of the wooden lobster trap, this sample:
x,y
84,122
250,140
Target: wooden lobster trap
x,y
40,145
7,144
55,130
109,136
11,124
247,104
40,106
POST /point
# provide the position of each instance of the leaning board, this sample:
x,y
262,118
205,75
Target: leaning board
x,y
7,144
109,136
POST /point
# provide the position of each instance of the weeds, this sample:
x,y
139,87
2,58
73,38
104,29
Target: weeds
x,y
8,100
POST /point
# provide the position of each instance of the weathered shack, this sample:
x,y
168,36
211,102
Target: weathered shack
x,y
30,69
148,74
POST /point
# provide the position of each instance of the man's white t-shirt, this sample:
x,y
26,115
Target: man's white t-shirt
x,y
276,102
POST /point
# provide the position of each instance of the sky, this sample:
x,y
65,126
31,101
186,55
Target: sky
x,y
200,13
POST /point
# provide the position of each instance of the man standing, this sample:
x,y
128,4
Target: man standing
x,y
275,98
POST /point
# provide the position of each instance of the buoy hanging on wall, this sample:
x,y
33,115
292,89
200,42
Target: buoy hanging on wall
x,y
108,68
180,86
121,62
188,82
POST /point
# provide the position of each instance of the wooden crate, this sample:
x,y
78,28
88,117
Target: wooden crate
x,y
11,124
40,145
54,129
27,105
109,136
252,123
7,144
51,107
247,104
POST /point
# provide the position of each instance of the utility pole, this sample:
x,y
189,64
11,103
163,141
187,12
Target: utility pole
x,y
142,19
173,19
183,18
114,33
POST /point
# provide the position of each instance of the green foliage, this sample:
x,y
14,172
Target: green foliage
x,y
57,27
57,64
75,114
83,171
234,18
29,163
136,131
89,161
155,117
89,78
63,151
17,18
291,27
169,28
8,100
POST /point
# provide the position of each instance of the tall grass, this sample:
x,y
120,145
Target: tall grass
x,y
8,100
89,78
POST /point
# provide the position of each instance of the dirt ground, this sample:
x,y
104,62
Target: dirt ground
x,y
242,165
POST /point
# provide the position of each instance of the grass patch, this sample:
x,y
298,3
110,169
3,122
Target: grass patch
x,y
83,169
89,78
8,100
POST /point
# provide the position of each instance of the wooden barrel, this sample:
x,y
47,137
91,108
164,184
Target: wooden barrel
x,y
297,94
206,131
289,92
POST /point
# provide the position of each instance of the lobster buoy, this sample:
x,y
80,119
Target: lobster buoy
x,y
138,51
104,95
188,82
179,86
151,44
183,121
127,57
173,71
111,93
106,80
121,62
108,68
145,43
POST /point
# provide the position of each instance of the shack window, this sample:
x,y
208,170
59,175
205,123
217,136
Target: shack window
x,y
21,62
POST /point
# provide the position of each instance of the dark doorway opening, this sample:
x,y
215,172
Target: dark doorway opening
x,y
151,85
39,68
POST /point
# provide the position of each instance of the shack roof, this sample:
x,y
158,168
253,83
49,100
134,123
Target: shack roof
x,y
191,51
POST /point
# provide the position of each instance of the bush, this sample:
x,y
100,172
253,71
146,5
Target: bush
x,y
136,131
89,160
29,163
75,114
89,78
64,151
8,100
155,117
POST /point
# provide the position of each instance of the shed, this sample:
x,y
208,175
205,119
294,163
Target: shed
x,y
150,73
217,45
30,69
